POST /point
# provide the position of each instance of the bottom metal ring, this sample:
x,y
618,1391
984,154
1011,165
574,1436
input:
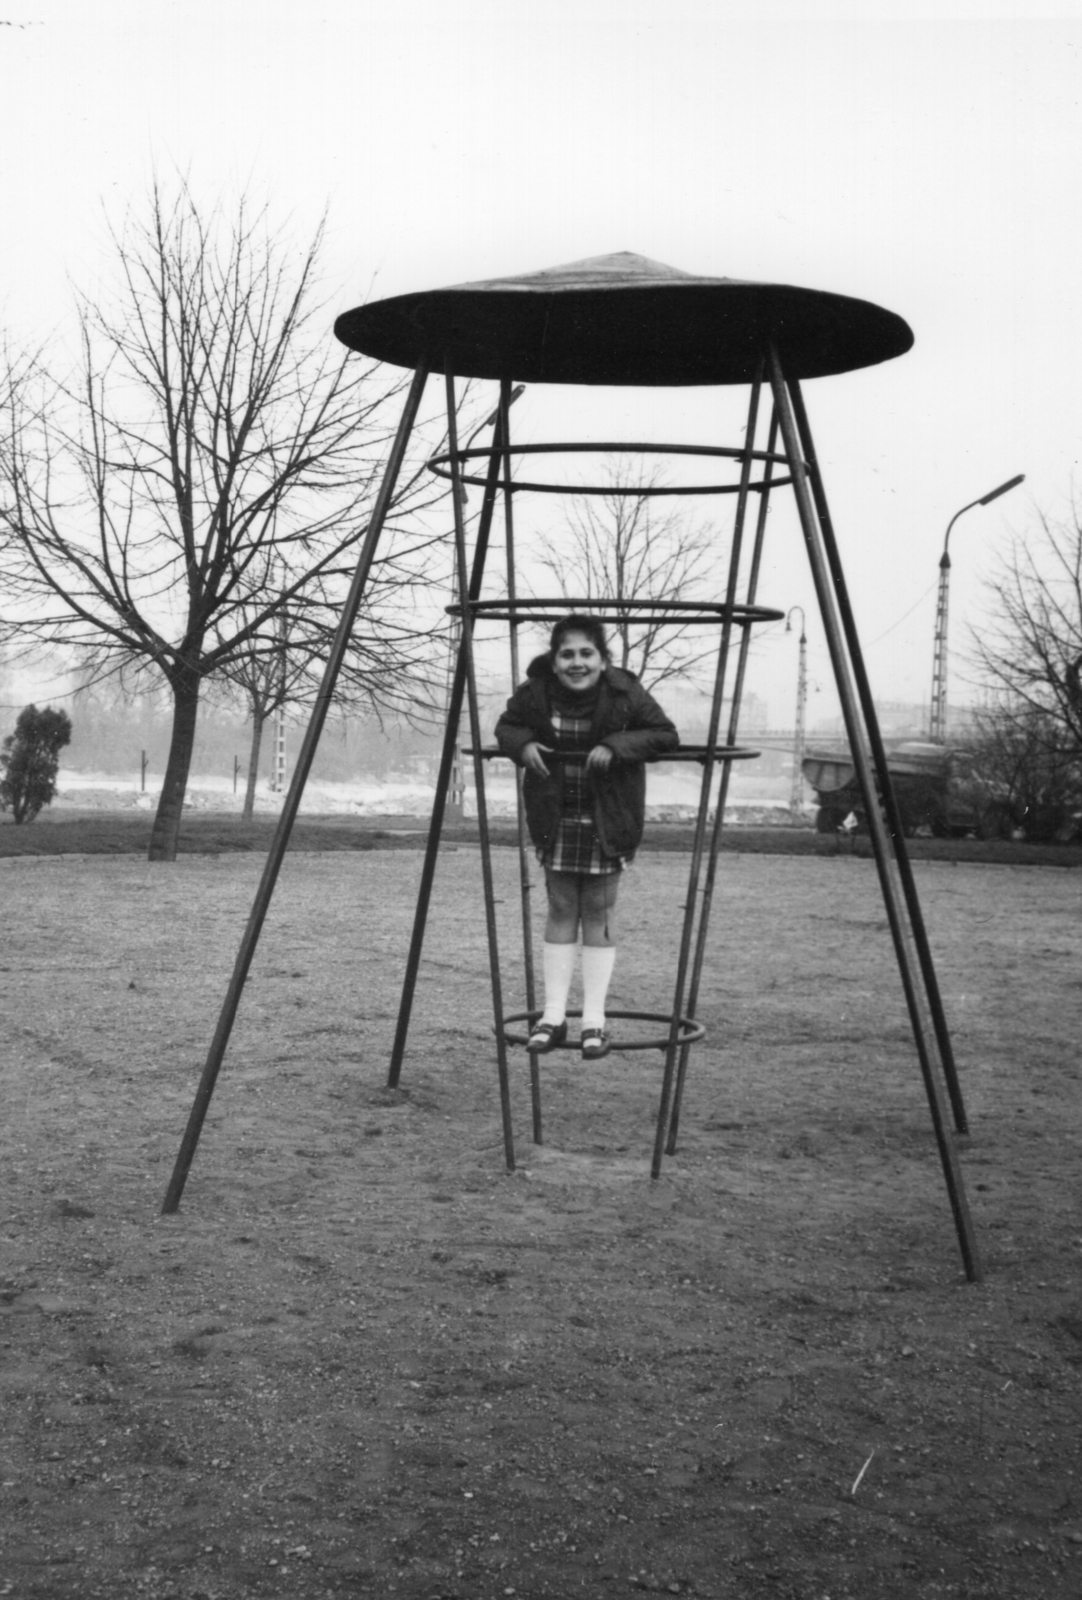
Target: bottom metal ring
x,y
689,1031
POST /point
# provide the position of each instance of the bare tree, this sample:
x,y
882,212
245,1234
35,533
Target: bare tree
x,y
264,675
618,546
1019,767
1031,655
211,435
1026,742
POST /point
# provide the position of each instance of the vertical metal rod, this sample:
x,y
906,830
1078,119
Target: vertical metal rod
x,y
525,886
825,585
278,763
527,951
796,794
704,793
479,773
455,808
726,772
448,760
894,817
292,802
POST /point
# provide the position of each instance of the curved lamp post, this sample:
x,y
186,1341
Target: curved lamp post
x,y
796,798
937,732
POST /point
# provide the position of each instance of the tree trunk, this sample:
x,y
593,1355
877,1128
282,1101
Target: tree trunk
x,y
258,719
165,833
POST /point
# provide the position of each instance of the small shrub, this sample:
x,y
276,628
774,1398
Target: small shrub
x,y
29,759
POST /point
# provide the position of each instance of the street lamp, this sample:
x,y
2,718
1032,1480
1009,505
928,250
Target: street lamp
x,y
938,729
796,798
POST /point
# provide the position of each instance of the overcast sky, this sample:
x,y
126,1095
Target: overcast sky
x,y
926,157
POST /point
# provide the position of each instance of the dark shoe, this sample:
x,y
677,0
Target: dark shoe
x,y
547,1036
594,1043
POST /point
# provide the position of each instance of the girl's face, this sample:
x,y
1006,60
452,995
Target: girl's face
x,y
578,663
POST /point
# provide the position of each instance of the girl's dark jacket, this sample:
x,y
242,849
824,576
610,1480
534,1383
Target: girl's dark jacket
x,y
626,718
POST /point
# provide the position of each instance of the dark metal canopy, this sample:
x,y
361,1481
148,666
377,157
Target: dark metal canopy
x,y
622,319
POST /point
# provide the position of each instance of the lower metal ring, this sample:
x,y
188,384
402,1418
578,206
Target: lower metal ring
x,y
688,1031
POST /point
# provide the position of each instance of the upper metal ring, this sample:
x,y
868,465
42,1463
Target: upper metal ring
x,y
441,466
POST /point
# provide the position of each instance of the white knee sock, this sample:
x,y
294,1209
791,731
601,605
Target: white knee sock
x,y
557,968
597,965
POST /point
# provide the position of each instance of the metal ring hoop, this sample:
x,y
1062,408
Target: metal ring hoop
x,y
689,1032
686,752
683,613
441,466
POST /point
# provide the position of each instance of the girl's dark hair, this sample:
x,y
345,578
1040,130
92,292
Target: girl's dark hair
x,y
590,626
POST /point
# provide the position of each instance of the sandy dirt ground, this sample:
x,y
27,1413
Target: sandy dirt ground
x,y
364,1359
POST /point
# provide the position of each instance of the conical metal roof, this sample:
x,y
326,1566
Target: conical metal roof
x,y
623,319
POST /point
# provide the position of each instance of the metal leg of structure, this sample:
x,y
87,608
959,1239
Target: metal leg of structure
x,y
874,778
428,869
525,884
292,802
694,873
526,895
894,820
479,779
723,790
447,764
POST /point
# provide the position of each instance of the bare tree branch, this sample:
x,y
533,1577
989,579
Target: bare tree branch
x,y
1027,740
619,547
1032,652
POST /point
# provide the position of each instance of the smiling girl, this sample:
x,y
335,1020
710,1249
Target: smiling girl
x,y
582,729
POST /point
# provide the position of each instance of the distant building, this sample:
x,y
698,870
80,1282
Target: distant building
x,y
691,712
898,719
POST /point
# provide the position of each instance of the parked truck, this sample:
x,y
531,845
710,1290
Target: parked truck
x,y
930,783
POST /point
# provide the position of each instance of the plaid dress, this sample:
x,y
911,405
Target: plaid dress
x,y
576,847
